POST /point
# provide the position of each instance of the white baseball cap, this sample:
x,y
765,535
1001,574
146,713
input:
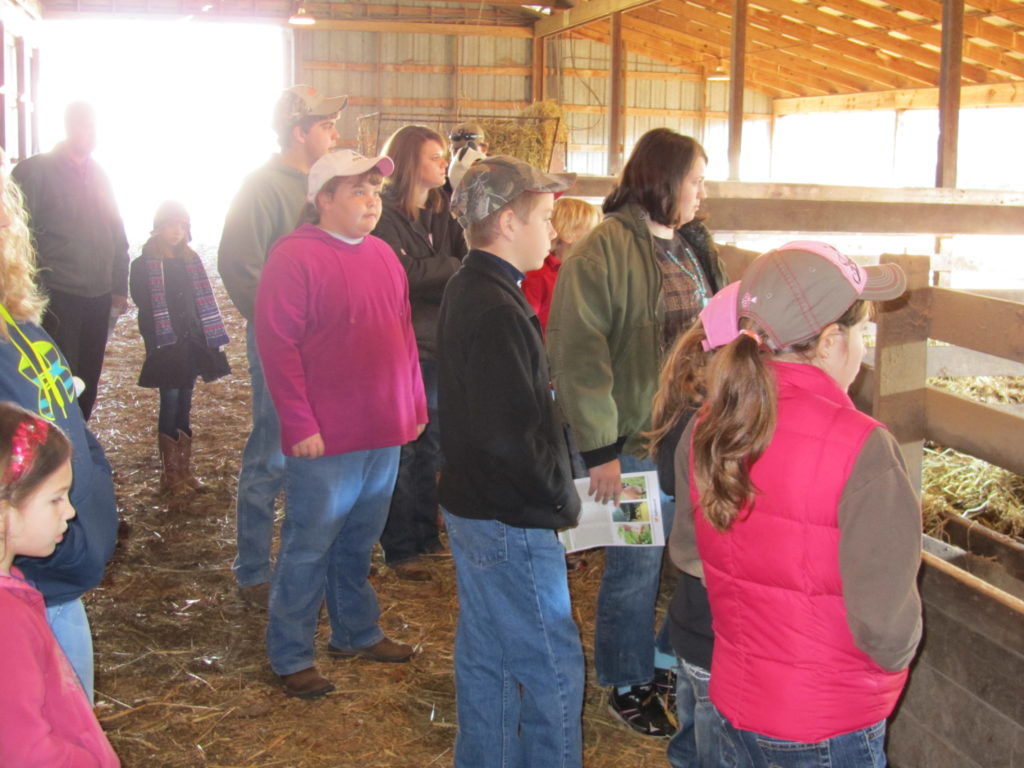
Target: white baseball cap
x,y
343,162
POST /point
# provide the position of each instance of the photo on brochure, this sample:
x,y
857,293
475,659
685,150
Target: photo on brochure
x,y
634,522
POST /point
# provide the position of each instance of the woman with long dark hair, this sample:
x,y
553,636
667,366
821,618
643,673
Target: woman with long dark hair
x,y
626,291
417,223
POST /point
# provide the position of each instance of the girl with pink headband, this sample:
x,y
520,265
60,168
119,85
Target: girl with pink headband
x,y
796,512
45,717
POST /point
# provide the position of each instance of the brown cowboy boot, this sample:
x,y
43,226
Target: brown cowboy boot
x,y
184,464
170,475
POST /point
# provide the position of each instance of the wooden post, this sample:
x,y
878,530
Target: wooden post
x,y
21,70
617,87
901,362
949,91
34,98
3,92
737,66
538,80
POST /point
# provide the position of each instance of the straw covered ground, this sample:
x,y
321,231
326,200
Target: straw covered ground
x,y
182,678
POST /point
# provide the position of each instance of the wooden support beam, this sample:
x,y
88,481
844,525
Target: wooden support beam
x,y
949,91
982,323
538,69
588,12
737,70
763,207
994,95
616,97
901,363
991,434
421,28
419,69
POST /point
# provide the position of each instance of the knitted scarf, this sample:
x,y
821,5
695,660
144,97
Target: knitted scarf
x,y
206,304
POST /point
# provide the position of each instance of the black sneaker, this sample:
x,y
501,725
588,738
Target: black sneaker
x,y
640,708
665,687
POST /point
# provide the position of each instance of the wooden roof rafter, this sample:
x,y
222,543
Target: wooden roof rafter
x,y
680,55
768,43
813,75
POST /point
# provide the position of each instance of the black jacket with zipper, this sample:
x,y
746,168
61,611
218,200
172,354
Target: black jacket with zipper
x,y
505,453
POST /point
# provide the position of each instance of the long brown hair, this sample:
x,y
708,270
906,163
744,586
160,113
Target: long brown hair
x,y
734,390
654,173
404,149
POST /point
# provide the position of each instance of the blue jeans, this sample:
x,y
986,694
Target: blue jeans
x,y
260,480
175,411
858,749
702,740
412,520
335,508
518,660
70,625
623,638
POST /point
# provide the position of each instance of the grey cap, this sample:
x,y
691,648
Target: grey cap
x,y
493,182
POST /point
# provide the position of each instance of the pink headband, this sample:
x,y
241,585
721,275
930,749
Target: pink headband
x,y
29,435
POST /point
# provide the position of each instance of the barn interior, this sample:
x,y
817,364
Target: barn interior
x,y
889,128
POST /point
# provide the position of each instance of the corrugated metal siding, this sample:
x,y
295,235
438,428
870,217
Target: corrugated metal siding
x,y
588,125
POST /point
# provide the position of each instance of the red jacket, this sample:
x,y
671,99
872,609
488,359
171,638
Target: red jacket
x,y
45,718
539,287
335,337
785,663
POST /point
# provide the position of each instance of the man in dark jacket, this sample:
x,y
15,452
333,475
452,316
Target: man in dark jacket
x,y
506,485
83,251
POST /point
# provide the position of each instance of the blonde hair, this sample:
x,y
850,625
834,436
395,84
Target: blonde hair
x,y
571,214
18,290
734,392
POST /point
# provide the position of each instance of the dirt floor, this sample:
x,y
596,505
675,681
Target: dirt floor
x,y
182,677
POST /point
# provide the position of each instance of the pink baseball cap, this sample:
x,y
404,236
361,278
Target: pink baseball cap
x,y
795,291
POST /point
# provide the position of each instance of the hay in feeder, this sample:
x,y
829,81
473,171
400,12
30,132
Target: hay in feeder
x,y
959,484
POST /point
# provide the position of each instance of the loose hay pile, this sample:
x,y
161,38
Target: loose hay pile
x,y
959,484
182,678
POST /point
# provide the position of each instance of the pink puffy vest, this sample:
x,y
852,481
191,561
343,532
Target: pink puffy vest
x,y
785,664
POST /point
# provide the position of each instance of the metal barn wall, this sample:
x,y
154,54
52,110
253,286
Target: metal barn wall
x,y
439,79
412,77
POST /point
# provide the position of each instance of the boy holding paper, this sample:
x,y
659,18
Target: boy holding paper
x,y
506,486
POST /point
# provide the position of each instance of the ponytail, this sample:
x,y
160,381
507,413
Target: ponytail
x,y
735,426
680,385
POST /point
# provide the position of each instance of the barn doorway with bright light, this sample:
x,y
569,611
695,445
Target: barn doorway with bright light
x,y
183,108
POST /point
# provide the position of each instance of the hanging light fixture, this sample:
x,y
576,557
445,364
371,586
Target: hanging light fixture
x,y
718,74
301,18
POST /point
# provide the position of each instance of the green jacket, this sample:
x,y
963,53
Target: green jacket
x,y
604,332
266,208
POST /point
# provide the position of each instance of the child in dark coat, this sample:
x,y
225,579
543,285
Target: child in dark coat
x,y
183,331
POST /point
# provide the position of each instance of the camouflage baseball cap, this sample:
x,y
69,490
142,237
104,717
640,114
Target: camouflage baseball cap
x,y
494,182
302,101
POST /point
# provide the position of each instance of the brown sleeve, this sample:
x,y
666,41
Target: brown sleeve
x,y
880,552
682,542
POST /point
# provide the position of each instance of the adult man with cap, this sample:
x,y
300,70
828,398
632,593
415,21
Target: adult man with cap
x,y
83,251
266,208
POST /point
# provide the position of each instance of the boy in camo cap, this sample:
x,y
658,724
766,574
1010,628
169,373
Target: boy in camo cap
x,y
506,485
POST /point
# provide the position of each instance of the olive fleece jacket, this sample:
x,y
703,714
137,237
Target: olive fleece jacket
x,y
605,330
266,208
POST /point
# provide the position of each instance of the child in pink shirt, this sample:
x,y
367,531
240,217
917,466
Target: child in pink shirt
x,y
334,330
45,718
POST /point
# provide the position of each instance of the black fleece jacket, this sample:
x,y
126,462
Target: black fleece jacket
x,y
505,453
